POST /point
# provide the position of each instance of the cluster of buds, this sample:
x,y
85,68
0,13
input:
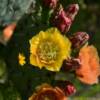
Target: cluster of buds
x,y
71,64
62,19
50,3
78,39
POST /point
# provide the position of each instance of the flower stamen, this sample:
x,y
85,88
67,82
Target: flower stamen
x,y
48,51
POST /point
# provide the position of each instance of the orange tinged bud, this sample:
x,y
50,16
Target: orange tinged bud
x,y
7,33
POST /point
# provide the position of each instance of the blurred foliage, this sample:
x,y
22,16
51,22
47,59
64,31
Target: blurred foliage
x,y
8,92
22,80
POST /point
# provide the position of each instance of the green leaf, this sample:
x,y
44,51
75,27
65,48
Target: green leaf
x,y
2,68
1,96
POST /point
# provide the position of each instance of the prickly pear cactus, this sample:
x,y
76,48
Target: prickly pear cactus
x,y
13,10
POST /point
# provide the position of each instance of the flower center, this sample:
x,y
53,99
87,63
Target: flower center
x,y
48,51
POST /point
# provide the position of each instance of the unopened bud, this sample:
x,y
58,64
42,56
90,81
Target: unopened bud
x,y
60,20
67,87
78,39
71,64
72,11
7,33
70,89
50,3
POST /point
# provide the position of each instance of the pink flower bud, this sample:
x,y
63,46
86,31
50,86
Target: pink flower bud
x,y
72,11
60,20
71,64
67,87
70,89
78,39
50,3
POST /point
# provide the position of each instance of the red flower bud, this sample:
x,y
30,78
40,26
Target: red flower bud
x,y
67,87
60,20
63,19
71,64
70,89
50,3
72,11
78,39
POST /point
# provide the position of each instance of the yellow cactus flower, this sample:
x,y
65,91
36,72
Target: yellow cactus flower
x,y
21,59
48,49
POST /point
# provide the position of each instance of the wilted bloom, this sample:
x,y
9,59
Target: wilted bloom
x,y
89,70
7,33
71,64
21,59
78,39
50,3
47,92
48,49
72,11
60,20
